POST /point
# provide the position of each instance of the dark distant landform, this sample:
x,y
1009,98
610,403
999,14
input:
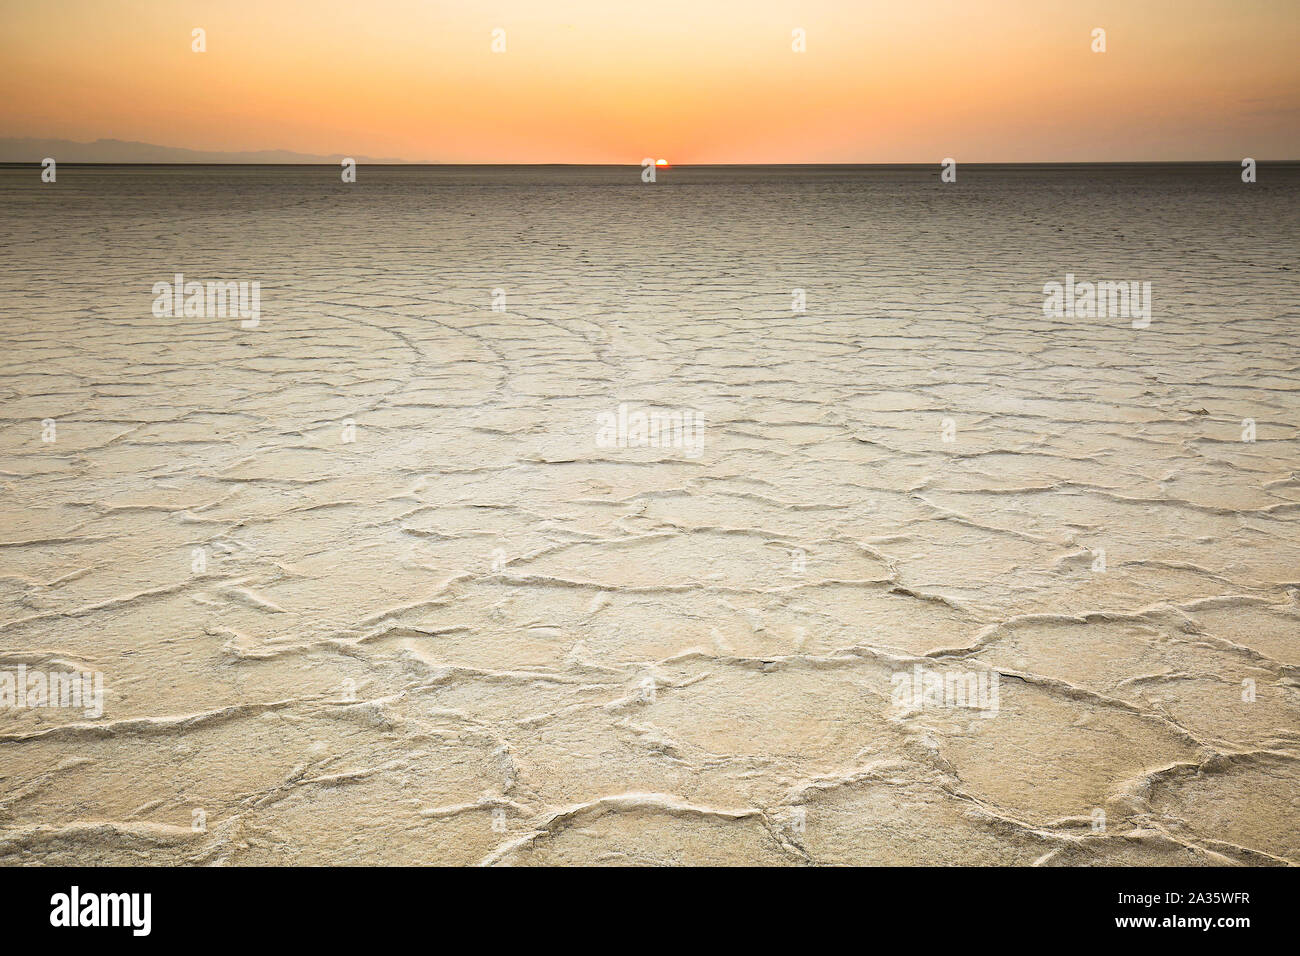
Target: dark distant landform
x,y
30,150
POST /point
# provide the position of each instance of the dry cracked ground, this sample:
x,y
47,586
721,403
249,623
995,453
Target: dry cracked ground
x,y
474,635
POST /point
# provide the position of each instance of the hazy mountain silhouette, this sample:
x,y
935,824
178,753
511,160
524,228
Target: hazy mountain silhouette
x,y
29,150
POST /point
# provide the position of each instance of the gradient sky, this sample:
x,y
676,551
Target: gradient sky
x,y
696,81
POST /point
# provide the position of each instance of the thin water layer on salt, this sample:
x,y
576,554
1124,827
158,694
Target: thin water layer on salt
x,y
366,583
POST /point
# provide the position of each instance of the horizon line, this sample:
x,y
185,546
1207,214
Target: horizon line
x,y
333,165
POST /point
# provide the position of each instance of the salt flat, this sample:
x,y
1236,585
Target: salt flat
x,y
365,583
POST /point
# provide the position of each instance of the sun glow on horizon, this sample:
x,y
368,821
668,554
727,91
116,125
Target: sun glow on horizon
x,y
733,81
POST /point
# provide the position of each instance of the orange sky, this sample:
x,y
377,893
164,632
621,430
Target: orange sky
x,y
696,81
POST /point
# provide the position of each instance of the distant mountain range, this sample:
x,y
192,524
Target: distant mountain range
x,y
14,150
